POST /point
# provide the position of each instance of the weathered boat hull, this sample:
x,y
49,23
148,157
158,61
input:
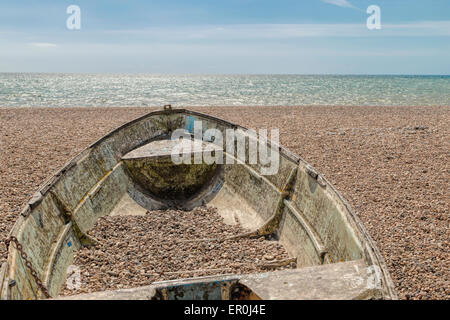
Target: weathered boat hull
x,y
297,204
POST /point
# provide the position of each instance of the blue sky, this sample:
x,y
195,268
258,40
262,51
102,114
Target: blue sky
x,y
232,36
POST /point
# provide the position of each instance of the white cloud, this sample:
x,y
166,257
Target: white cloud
x,y
43,44
340,3
278,31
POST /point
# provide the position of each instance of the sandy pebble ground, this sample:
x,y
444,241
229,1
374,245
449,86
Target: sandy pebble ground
x,y
391,163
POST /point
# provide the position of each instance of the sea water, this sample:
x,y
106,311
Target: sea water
x,y
92,90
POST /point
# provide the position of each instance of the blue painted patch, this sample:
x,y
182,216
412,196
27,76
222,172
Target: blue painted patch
x,y
190,124
69,244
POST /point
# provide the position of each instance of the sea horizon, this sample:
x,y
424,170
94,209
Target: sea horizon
x,y
48,89
228,74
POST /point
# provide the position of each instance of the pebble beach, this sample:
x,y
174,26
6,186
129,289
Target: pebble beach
x,y
392,164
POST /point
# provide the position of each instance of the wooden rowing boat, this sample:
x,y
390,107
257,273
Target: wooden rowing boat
x,y
131,170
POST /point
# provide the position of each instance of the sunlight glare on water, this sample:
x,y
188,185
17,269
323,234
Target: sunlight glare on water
x,y
91,90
